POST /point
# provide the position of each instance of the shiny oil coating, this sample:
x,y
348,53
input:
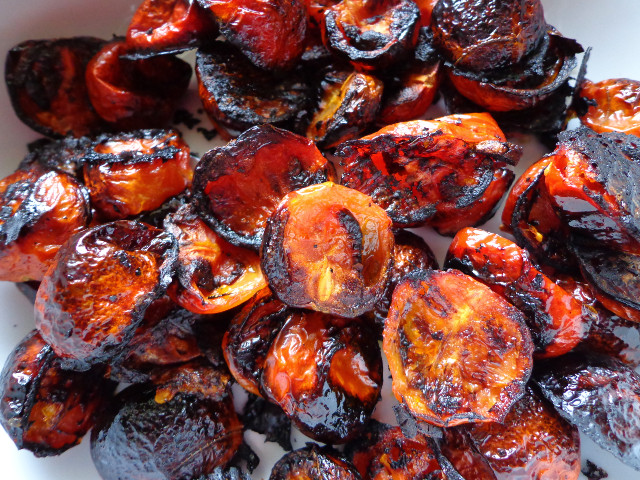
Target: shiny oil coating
x,y
613,105
313,463
457,351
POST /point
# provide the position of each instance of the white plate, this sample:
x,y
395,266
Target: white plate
x,y
611,28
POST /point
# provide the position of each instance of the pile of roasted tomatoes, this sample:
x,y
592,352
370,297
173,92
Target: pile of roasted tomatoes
x,y
281,260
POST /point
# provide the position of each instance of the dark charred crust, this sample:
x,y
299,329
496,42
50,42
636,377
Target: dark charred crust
x,y
321,463
237,95
163,150
67,154
269,419
615,336
35,78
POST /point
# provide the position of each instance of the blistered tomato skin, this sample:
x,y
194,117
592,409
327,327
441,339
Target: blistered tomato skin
x,y
556,319
384,453
532,443
601,396
171,431
169,26
66,155
429,169
135,172
611,105
212,276
132,94
482,35
47,88
328,248
371,35
458,352
238,186
313,462
43,408
40,210
269,32
91,301
325,372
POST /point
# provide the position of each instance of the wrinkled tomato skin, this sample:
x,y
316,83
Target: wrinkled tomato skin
x,y
598,394
135,172
270,33
444,326
371,35
428,169
556,319
237,187
93,298
459,449
532,443
314,462
481,35
147,435
328,248
237,95
40,210
212,276
47,88
612,105
325,372
43,408
349,103
161,25
134,94
384,453
248,339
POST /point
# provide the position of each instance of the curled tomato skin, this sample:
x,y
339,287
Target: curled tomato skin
x,y
184,426
44,408
557,320
427,169
328,248
135,172
385,453
325,372
458,352
270,33
170,26
95,295
212,276
46,83
134,94
316,462
532,442
236,187
40,210
612,105
371,35
482,35
237,95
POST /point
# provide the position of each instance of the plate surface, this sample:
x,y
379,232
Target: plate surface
x,y
611,28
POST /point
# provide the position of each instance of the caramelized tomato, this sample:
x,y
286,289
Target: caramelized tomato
x,y
612,105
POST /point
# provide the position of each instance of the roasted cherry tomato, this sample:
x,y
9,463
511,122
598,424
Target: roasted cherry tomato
x,y
183,427
611,105
40,210
135,93
325,372
349,103
532,442
426,169
270,33
94,297
237,187
238,95
135,172
170,26
43,408
46,82
557,320
212,275
457,351
329,248
313,462
371,35
66,154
